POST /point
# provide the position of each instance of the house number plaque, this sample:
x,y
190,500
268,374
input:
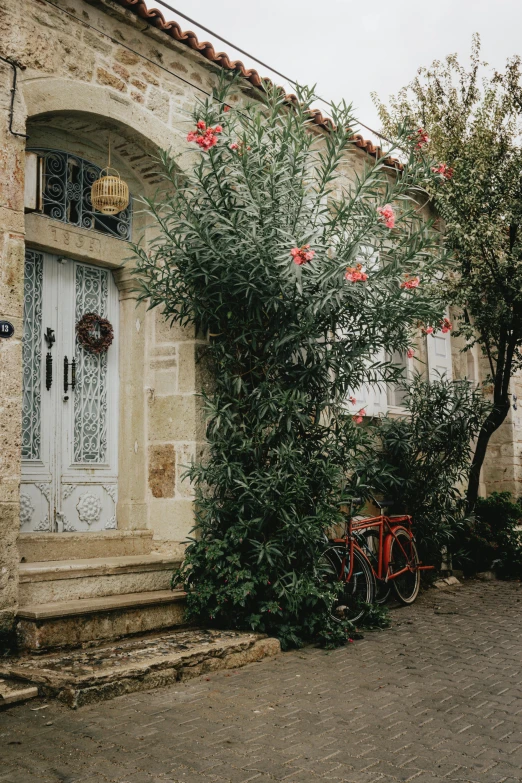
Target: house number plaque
x,y
6,329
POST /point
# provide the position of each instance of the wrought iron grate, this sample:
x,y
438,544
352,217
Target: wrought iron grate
x,y
66,194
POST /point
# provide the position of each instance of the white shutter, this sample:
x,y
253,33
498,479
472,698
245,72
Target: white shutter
x,y
439,356
31,182
371,397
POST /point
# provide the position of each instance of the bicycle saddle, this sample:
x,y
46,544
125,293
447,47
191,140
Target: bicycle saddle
x,y
383,503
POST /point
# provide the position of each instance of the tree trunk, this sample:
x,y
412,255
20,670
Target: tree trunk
x,y
492,423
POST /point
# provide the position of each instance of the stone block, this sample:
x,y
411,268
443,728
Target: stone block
x,y
159,103
171,519
165,381
126,57
12,276
173,418
110,80
69,580
164,332
38,547
162,470
97,42
187,368
99,619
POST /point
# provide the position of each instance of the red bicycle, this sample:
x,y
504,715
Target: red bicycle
x,y
374,555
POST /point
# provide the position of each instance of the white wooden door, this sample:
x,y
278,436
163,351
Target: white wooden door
x,y
70,424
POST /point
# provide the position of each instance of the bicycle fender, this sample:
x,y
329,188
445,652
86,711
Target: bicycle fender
x,y
388,545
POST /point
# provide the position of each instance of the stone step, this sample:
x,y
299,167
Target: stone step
x,y
86,676
74,623
35,547
68,580
16,691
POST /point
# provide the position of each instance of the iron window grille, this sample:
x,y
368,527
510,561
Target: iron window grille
x,y
65,194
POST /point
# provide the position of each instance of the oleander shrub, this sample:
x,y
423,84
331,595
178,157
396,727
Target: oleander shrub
x,y
422,460
492,538
296,275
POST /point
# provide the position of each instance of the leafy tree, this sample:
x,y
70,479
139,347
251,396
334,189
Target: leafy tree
x,y
293,271
474,128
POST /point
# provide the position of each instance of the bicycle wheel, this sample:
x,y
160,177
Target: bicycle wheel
x,y
403,554
354,594
369,541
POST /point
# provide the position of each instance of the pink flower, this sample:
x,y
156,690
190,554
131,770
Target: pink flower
x,y
359,416
302,254
428,330
205,138
226,108
234,146
387,214
352,400
410,282
446,326
446,172
422,138
355,274
410,353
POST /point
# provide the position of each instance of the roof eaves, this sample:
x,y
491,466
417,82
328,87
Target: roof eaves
x,y
154,17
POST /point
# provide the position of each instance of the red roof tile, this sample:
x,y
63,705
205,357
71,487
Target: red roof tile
x,y
154,17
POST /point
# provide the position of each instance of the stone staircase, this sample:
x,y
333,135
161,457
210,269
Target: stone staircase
x,y
71,602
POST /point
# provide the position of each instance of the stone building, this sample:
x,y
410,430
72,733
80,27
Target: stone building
x,y
93,509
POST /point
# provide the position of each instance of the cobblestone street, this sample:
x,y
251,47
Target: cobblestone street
x,y
438,697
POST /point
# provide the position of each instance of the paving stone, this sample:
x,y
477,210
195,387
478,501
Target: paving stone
x,y
435,699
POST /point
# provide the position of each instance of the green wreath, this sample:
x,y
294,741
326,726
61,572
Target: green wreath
x,y
95,334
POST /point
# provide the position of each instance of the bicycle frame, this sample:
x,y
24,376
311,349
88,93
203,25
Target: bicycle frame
x,y
386,528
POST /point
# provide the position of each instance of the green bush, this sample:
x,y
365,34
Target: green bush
x,y
253,243
492,539
422,460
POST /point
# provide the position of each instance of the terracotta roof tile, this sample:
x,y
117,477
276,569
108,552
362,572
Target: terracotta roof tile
x,y
154,17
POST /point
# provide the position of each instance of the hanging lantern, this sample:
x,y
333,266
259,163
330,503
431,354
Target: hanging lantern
x,y
110,194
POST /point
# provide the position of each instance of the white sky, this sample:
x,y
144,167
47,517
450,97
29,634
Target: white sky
x,y
350,48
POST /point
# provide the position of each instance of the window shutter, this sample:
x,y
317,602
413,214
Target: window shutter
x,y
371,397
439,356
31,182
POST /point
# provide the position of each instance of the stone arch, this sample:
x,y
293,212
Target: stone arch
x,y
48,96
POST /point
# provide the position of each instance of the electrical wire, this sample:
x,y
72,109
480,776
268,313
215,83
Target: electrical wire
x,y
260,62
172,73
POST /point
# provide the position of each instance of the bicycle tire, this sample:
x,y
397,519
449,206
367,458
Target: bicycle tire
x,y
407,585
370,544
359,590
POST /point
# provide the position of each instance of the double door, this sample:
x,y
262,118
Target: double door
x,y
70,399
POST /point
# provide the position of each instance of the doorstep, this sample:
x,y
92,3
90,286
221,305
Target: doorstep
x,y
83,677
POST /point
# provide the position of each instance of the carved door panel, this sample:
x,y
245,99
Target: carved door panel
x,y
70,423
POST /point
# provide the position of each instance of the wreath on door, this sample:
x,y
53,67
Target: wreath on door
x,y
95,334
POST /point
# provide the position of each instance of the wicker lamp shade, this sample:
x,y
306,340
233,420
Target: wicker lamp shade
x,y
110,194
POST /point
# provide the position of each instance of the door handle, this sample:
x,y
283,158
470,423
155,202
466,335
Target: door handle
x,y
50,339
66,375
48,370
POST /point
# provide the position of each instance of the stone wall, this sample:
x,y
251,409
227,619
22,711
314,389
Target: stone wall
x,y
11,297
